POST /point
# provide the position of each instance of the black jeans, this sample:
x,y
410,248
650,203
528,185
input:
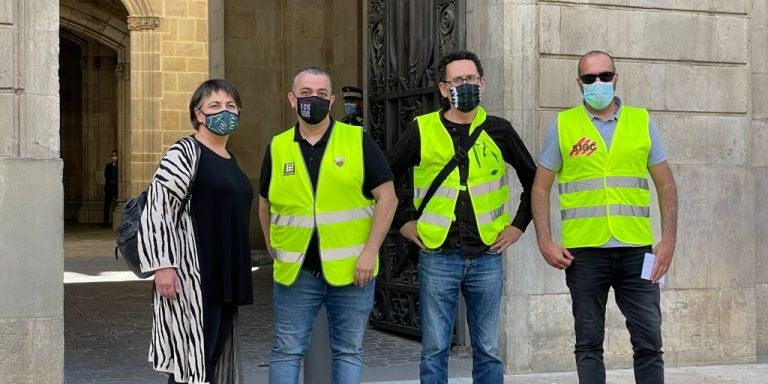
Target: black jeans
x,y
217,328
110,195
590,276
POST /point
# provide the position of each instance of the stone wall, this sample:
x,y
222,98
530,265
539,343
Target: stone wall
x,y
758,158
699,67
31,195
169,59
261,58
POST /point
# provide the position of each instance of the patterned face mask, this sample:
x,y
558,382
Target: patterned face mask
x,y
221,123
465,97
312,109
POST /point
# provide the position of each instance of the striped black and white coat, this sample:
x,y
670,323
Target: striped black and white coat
x,y
176,346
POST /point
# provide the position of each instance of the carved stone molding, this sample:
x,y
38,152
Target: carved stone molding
x,y
123,72
143,22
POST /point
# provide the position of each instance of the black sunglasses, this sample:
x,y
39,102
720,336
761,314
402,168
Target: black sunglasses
x,y
590,78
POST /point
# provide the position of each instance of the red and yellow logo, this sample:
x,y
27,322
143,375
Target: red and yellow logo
x,y
584,147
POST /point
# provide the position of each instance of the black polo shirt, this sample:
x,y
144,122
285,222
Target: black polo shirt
x,y
376,173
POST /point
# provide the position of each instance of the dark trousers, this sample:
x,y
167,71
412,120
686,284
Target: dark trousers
x,y
217,327
110,195
591,274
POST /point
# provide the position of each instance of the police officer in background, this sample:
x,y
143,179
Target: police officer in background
x,y
353,105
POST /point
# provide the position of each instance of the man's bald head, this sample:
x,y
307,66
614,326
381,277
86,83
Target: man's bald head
x,y
594,54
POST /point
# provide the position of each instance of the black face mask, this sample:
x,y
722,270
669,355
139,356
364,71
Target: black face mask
x,y
312,109
465,97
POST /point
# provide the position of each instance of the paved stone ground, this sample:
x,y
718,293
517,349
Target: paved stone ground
x,y
107,321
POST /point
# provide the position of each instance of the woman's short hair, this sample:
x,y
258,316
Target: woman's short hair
x,y
206,89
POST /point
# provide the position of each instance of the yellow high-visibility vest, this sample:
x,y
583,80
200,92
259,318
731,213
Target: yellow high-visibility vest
x,y
485,182
604,193
338,210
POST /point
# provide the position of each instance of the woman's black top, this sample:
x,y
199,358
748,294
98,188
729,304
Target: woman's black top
x,y
221,205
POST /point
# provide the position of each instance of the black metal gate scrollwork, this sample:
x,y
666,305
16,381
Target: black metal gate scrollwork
x,y
406,39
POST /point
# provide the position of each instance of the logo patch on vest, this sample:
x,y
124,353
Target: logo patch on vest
x,y
584,147
289,169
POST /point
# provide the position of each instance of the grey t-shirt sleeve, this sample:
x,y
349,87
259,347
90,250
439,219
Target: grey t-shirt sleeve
x,y
657,154
550,156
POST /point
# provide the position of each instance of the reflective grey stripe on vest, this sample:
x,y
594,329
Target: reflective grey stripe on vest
x,y
581,213
341,253
627,182
482,189
448,193
611,182
288,256
630,210
292,221
615,209
344,216
489,217
435,219
580,185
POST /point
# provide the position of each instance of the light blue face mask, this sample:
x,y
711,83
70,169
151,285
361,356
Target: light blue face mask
x,y
221,123
598,94
350,109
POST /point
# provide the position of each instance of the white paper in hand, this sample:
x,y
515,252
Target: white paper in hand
x,y
648,268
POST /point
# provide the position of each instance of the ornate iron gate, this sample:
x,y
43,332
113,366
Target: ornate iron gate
x,y
406,39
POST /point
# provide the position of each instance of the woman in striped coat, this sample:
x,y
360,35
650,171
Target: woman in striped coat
x,y
199,251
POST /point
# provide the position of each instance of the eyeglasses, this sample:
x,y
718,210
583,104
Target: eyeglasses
x,y
461,80
591,78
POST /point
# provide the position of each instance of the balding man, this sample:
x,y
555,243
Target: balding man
x,y
327,201
602,151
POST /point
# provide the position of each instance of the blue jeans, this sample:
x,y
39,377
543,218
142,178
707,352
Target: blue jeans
x,y
590,276
296,308
481,279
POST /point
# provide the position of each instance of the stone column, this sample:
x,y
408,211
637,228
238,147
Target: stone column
x,y
31,194
146,92
123,72
216,38
503,36
759,63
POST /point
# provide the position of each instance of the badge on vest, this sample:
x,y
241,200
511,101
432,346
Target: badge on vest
x,y
584,146
289,169
339,160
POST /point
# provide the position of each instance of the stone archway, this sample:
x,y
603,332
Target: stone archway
x,y
133,34
102,33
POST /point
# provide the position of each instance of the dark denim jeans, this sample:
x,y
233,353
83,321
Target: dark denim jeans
x,y
442,275
593,272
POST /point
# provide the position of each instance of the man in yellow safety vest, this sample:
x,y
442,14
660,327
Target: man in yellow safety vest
x,y
601,152
465,226
327,201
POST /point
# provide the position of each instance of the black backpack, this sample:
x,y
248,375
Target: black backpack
x,y
128,232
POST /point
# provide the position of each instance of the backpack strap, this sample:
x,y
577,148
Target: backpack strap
x,y
461,154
